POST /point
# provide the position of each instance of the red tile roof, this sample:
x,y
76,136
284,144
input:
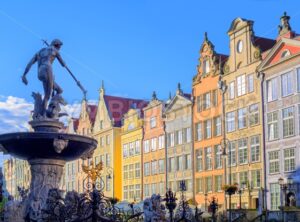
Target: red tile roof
x,y
263,43
118,106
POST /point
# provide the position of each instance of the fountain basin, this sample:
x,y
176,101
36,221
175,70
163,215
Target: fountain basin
x,y
47,145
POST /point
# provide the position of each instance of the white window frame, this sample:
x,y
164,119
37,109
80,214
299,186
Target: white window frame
x,y
288,122
272,121
241,85
287,84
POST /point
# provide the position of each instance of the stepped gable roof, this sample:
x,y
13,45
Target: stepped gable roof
x,y
263,43
118,106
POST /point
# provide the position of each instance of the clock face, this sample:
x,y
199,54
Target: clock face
x,y
239,46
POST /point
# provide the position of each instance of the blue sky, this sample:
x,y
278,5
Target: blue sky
x,y
135,46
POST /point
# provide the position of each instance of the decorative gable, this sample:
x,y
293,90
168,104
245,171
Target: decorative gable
x,y
284,49
210,62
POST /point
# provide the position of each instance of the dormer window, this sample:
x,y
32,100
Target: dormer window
x,y
205,66
285,53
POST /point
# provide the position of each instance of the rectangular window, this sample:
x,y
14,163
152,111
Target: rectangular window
x,y
218,156
275,196
179,137
199,160
256,178
217,126
289,160
172,164
131,191
198,131
206,67
102,141
208,184
232,153
107,139
137,170
161,142
162,187
206,98
242,118
272,119
152,122
188,135
131,148
250,83
138,192
243,152
199,185
131,171
161,166
125,150
231,90
125,172
108,183
288,121
147,190
154,167
253,115
272,86
125,192
208,162
153,144
146,146
138,147
286,84
241,85
255,148
179,163
188,161
199,103
172,139
274,162
215,97
207,128
153,188
230,121
244,177
147,169
218,183
107,159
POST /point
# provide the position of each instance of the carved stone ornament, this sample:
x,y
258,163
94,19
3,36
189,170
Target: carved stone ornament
x,y
60,145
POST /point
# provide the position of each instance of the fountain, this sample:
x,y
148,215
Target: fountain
x,y
47,148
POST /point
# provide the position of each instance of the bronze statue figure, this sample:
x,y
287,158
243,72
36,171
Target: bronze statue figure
x,y
45,58
52,91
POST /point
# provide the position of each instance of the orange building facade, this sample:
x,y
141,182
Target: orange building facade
x,y
207,121
154,163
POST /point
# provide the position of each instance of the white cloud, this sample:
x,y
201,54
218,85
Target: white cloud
x,y
15,113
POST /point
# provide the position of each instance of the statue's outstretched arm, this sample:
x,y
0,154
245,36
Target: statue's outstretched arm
x,y
31,62
61,61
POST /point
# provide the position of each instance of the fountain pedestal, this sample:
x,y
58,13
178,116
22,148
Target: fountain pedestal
x,y
47,149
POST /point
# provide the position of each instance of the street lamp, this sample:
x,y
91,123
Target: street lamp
x,y
240,191
110,175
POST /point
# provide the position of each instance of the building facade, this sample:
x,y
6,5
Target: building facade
x,y
131,143
75,179
107,131
243,113
281,71
154,152
207,120
178,128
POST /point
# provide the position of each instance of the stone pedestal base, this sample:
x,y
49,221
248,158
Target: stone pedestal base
x,y
46,174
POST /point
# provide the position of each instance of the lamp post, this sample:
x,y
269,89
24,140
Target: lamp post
x,y
111,175
240,191
283,188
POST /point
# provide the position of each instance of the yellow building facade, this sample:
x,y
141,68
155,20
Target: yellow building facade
x,y
107,131
243,113
131,143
